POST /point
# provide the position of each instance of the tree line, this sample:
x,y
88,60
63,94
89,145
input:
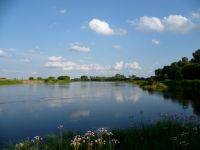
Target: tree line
x,y
52,79
182,69
116,77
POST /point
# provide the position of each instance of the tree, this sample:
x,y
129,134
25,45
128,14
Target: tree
x,y
191,71
196,56
66,78
84,78
158,73
31,78
51,78
132,77
39,78
119,77
184,61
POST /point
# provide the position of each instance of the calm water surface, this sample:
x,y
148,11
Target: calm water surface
x,y
30,110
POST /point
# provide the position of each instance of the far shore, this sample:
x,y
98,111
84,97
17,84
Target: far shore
x,y
153,85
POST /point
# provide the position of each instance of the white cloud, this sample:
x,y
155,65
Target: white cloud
x,y
62,11
80,114
103,28
196,15
133,65
25,60
171,23
2,53
156,42
146,23
178,23
79,48
119,65
116,46
129,66
70,65
55,58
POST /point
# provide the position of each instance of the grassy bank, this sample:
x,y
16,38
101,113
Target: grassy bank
x,y
10,82
155,85
151,85
172,132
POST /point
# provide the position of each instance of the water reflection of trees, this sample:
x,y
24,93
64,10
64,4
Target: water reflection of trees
x,y
183,95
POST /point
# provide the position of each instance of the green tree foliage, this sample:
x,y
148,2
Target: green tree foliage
x,y
84,78
31,78
183,69
191,71
51,78
119,77
196,56
39,78
65,78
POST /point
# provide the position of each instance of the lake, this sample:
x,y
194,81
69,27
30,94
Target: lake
x,y
28,110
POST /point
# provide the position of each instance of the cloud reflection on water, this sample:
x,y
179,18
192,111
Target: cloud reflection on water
x,y
80,114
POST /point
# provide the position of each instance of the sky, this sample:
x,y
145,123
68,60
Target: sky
x,y
42,38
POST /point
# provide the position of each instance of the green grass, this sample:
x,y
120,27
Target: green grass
x,y
9,82
174,133
151,85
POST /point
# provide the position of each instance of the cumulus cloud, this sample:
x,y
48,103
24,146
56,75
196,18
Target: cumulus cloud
x,y
55,58
171,23
70,65
156,42
103,28
2,53
149,24
119,65
178,23
130,66
196,15
134,65
79,48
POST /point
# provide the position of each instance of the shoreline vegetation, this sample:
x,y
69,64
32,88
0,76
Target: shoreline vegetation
x,y
146,84
170,131
184,72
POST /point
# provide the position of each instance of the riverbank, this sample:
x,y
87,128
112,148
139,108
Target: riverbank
x,y
10,82
154,85
13,82
151,85
173,132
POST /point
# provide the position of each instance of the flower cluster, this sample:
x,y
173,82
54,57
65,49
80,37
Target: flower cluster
x,y
76,142
19,146
36,139
94,140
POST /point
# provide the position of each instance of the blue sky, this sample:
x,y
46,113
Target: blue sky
x,y
95,37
